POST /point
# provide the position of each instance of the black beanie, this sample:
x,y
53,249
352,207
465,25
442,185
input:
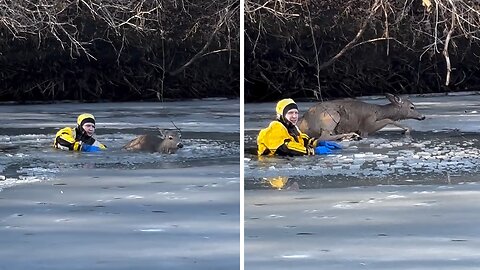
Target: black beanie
x,y
289,107
87,120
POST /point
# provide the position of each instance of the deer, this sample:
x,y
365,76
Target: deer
x,y
354,119
166,141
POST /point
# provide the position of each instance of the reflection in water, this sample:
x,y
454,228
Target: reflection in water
x,y
278,182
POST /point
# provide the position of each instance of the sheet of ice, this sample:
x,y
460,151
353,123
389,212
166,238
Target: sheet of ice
x,y
210,115
383,227
91,218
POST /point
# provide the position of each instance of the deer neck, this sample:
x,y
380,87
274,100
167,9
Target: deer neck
x,y
390,111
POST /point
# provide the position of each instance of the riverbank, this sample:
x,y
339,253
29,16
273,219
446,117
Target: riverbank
x,y
123,219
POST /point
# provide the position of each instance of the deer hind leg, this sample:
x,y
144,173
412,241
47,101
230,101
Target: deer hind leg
x,y
136,144
330,120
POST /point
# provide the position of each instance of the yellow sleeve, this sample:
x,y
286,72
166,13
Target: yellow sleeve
x,y
65,139
270,138
275,137
309,142
297,148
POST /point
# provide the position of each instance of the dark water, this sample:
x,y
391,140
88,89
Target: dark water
x,y
210,134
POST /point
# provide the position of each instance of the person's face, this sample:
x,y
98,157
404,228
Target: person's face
x,y
292,116
89,128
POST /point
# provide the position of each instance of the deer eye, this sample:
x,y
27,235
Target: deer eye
x,y
412,107
170,137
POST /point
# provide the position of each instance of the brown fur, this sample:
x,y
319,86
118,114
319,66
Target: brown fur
x,y
343,119
167,142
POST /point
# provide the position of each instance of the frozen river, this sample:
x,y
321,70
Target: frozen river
x,y
115,209
385,202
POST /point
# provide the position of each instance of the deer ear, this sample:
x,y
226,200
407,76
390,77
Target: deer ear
x,y
162,133
394,99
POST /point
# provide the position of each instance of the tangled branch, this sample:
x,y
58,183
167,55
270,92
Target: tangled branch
x,y
142,46
452,20
310,42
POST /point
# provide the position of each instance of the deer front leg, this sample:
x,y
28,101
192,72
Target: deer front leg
x,y
326,136
377,125
406,130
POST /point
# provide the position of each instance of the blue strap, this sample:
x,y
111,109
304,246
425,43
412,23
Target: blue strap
x,y
90,148
322,150
329,144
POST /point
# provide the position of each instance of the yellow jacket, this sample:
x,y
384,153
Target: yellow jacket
x,y
276,140
68,139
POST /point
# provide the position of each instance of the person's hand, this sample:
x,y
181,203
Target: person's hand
x,y
322,150
90,148
330,145
99,145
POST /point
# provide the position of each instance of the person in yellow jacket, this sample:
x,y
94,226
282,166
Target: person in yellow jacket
x,y
282,136
79,138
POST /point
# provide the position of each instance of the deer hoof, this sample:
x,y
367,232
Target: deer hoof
x,y
351,137
354,136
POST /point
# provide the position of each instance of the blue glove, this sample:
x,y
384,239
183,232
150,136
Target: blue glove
x,y
90,148
329,145
322,150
